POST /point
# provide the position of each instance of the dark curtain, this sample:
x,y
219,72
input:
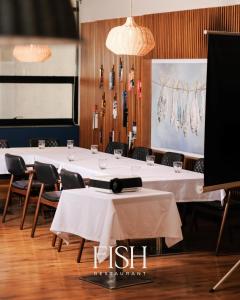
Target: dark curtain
x,y
222,119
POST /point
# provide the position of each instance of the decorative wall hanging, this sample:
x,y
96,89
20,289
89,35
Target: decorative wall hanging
x,y
112,78
130,38
120,70
131,79
178,105
102,114
115,107
124,109
101,80
103,105
139,89
32,53
134,130
95,118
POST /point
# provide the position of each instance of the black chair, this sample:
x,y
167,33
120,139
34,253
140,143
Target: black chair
x,y
48,142
169,157
140,153
199,165
22,182
71,180
4,143
117,145
48,176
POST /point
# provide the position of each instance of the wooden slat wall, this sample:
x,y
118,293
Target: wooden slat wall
x,y
177,35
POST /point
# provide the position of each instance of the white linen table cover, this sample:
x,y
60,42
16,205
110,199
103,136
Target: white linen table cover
x,y
106,218
186,185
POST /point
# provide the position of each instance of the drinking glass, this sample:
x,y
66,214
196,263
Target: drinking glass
x,y
150,160
117,153
71,157
94,149
70,144
102,163
41,144
177,165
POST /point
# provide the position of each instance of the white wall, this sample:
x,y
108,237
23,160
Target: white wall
x,y
92,10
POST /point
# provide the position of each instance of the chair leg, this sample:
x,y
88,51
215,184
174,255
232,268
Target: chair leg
x,y
223,221
54,238
80,250
60,245
37,211
7,200
26,201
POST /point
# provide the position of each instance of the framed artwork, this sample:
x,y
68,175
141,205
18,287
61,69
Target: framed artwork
x,y
178,105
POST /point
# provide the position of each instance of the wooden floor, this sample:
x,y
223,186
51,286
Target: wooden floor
x,y
31,269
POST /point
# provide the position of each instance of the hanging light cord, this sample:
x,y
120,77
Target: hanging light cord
x,y
130,8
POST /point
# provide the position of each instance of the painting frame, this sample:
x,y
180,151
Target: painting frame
x,y
178,81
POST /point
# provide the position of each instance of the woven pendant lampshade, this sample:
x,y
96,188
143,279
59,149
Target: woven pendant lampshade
x,y
130,39
37,22
32,53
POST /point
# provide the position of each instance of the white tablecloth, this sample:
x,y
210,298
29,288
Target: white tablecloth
x,y
106,218
186,185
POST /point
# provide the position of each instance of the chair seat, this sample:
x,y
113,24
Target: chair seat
x,y
52,196
22,184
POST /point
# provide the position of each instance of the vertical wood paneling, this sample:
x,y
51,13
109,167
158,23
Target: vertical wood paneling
x,y
177,35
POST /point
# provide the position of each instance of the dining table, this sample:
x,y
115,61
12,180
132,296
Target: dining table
x,y
187,186
109,219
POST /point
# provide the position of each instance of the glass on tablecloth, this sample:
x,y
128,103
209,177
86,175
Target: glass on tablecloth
x,y
70,144
150,159
41,144
94,149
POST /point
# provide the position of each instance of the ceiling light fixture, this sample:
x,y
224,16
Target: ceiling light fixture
x,y
32,53
130,38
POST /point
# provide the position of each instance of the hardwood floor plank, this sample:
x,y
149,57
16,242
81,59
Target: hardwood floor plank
x,y
31,269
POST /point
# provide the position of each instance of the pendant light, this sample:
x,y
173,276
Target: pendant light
x,y
130,38
32,53
37,22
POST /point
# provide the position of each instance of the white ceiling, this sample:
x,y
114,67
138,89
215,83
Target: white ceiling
x,y
92,10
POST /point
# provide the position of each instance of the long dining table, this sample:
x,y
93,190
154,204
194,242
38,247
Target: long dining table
x,y
186,185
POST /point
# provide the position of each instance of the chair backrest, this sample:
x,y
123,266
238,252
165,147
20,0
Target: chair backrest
x,y
15,164
169,157
71,180
117,145
140,153
4,143
46,173
48,142
199,165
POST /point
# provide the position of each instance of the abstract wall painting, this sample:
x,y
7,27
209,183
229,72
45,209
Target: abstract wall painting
x,y
178,105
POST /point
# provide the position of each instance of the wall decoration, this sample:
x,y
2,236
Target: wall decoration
x,y
120,70
124,109
112,79
101,71
114,112
95,118
178,105
131,79
139,89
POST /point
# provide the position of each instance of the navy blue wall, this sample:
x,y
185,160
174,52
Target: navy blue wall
x,y
19,136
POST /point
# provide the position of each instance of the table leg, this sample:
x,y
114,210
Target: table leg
x,y
116,277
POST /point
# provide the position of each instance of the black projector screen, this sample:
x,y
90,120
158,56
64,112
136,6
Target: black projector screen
x,y
222,120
